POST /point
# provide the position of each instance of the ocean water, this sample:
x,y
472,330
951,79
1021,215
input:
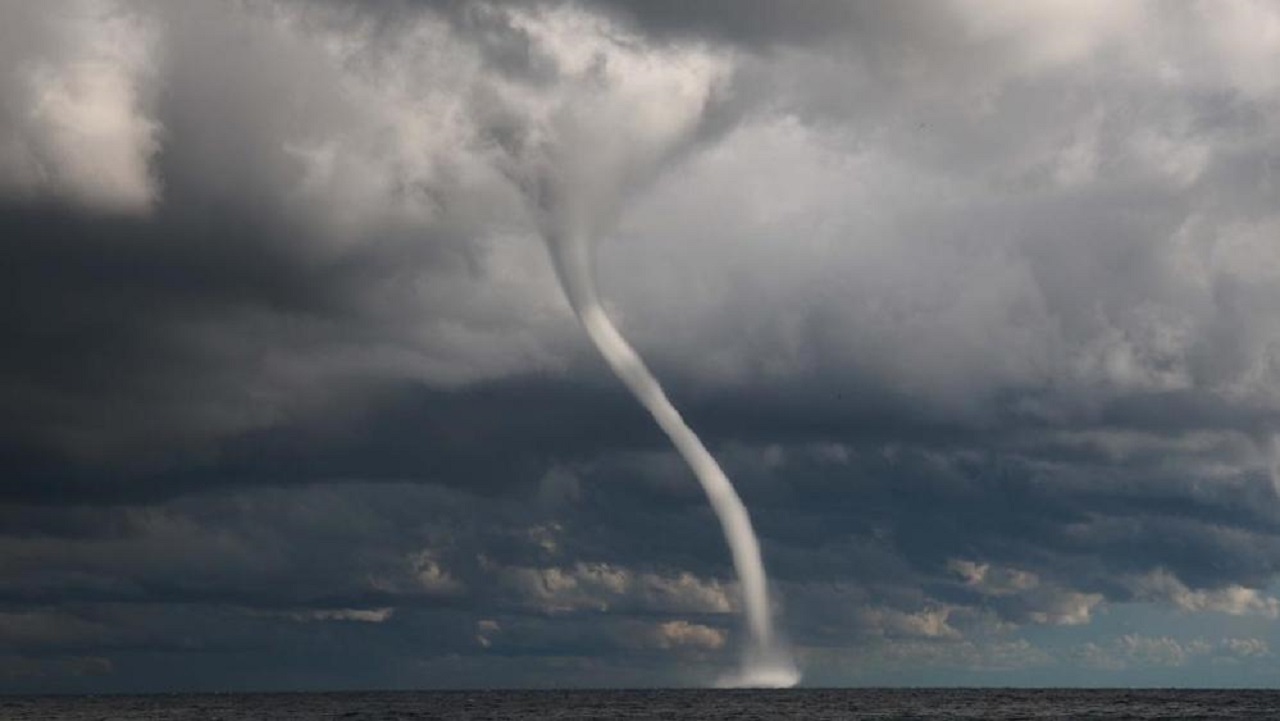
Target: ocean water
x,y
816,704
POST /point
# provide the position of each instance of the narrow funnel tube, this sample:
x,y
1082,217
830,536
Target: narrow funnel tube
x,y
574,266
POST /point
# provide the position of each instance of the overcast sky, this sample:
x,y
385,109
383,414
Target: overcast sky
x,y
978,302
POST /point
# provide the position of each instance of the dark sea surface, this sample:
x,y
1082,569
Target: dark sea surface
x,y
682,704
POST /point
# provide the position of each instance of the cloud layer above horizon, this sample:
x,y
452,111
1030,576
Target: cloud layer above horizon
x,y
975,301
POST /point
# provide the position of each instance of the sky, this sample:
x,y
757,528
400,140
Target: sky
x,y
975,301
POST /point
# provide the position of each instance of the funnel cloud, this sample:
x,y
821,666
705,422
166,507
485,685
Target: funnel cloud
x,y
766,662
611,135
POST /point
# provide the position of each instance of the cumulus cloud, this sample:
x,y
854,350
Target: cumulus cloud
x,y
682,634
431,575
1069,609
602,586
1234,599
1246,646
929,623
993,581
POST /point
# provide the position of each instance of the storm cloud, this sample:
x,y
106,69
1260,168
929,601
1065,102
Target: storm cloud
x,y
975,301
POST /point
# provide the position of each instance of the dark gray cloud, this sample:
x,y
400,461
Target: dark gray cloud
x,y
973,300
754,23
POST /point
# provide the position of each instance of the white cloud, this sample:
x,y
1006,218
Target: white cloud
x,y
1069,608
683,634
1043,603
76,122
993,581
1246,647
926,623
431,575
1233,599
603,586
